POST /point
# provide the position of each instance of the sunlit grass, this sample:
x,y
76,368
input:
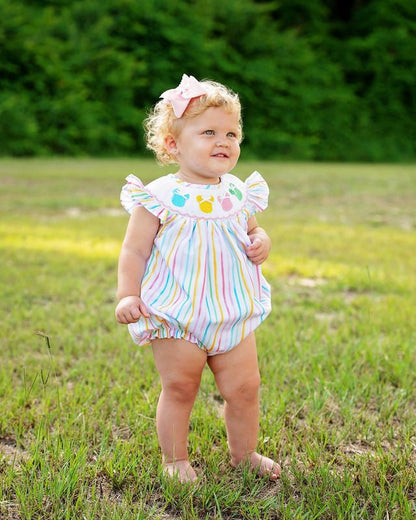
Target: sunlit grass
x,y
50,239
337,354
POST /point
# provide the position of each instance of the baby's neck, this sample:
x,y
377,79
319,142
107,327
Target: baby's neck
x,y
197,179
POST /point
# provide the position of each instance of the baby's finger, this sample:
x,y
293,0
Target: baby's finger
x,y
257,256
252,250
143,310
257,260
255,244
134,314
120,318
123,317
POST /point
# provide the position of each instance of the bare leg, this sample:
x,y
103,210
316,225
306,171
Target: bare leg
x,y
237,376
180,364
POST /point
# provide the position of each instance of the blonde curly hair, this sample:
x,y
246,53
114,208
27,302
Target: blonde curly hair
x,y
162,122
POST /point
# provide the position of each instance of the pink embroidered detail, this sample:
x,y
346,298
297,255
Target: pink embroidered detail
x,y
225,202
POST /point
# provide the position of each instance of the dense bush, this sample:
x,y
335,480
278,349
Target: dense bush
x,y
317,80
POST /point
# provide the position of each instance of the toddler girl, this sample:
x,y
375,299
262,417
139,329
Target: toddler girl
x,y
189,279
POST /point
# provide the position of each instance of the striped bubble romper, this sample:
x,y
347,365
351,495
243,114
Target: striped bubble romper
x,y
199,284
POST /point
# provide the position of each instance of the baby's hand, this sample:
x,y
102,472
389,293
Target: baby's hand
x,y
259,249
130,309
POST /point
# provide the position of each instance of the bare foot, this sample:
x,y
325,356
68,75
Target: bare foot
x,y
180,469
263,465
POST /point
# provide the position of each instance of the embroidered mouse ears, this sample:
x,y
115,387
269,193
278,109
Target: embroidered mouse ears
x,y
180,97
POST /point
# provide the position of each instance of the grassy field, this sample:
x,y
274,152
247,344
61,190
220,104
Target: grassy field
x,y
337,355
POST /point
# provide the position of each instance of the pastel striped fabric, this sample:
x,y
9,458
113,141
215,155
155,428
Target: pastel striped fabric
x,y
199,284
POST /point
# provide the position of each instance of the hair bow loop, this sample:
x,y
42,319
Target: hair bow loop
x,y
180,97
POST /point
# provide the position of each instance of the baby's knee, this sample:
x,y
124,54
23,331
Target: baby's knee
x,y
181,390
243,392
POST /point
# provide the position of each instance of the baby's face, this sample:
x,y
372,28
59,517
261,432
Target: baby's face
x,y
207,146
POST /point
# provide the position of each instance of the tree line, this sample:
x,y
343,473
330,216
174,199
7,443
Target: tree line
x,y
318,79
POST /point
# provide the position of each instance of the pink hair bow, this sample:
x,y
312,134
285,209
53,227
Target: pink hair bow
x,y
180,97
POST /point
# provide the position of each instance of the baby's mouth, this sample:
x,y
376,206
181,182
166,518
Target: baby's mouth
x,y
220,155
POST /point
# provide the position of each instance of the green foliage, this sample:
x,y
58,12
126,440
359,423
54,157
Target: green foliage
x,y
377,52
317,80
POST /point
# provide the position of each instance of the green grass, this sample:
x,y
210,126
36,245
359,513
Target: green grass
x,y
337,355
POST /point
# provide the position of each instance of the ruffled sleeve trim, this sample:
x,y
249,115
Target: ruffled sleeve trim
x,y
257,193
134,193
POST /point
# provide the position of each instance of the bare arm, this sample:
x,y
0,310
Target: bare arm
x,y
135,251
260,246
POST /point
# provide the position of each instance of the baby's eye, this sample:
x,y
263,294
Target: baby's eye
x,y
231,134
209,132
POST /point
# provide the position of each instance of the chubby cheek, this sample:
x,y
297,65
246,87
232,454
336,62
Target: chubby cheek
x,y
235,146
236,152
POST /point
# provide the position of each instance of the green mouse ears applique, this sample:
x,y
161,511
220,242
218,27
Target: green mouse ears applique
x,y
235,191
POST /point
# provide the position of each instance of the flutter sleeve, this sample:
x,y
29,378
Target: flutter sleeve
x,y
257,193
134,193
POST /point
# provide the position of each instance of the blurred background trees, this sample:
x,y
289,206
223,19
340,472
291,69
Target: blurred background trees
x,y
318,79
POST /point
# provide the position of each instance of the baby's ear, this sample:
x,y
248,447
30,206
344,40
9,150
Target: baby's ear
x,y
170,144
